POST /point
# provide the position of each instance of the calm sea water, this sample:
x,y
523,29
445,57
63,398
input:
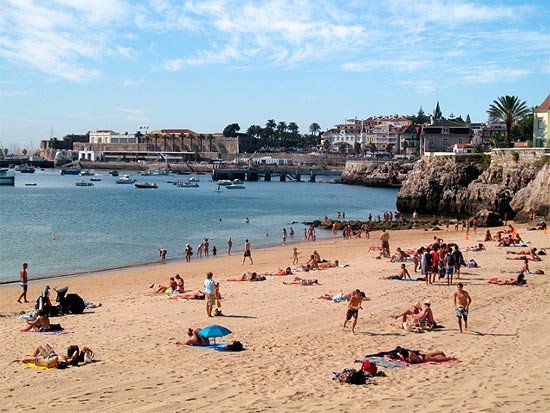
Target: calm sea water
x,y
111,225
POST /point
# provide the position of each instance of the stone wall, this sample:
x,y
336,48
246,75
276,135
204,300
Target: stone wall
x,y
375,173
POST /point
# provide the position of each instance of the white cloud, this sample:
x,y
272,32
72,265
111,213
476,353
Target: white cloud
x,y
173,65
132,114
493,75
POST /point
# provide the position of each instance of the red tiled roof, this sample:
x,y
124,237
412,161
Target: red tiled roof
x,y
545,105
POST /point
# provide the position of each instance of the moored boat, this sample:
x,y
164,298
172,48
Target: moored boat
x,y
125,179
86,173
7,177
235,186
26,169
70,171
146,185
84,183
188,184
113,173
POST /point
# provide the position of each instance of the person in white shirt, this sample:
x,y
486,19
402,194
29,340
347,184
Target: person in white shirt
x,y
210,293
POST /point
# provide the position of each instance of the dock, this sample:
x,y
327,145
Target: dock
x,y
289,173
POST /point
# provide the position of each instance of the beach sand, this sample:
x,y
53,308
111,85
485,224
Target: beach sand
x,y
295,340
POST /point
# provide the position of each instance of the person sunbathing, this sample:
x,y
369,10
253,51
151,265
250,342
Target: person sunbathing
x,y
303,281
248,276
189,295
476,248
172,286
414,310
42,323
530,255
313,263
424,318
328,264
416,357
46,357
401,275
541,226
399,256
195,339
317,257
340,297
179,284
519,280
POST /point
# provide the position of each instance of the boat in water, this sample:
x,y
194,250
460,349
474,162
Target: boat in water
x,y
146,185
70,171
235,186
86,173
126,179
7,177
113,173
188,184
26,169
30,183
84,183
224,182
95,179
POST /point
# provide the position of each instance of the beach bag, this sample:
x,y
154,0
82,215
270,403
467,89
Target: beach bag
x,y
73,304
358,378
235,346
87,355
369,367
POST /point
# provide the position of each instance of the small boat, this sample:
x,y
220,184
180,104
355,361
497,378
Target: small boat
x,y
224,182
125,179
160,173
84,183
95,179
146,173
193,179
30,183
26,169
113,173
200,173
86,173
235,186
146,185
70,171
183,173
237,182
7,177
189,184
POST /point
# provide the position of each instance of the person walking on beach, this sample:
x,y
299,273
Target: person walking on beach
x,y
354,306
162,254
247,252
462,301
295,255
24,282
210,293
229,245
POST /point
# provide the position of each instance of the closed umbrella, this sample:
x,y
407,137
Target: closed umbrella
x,y
214,331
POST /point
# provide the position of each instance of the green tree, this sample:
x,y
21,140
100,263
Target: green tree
x,y
314,129
524,129
201,139
138,135
269,131
343,147
231,130
210,138
405,146
326,144
357,148
281,132
508,109
372,148
389,148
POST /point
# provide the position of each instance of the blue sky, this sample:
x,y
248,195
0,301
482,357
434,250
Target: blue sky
x,y
80,65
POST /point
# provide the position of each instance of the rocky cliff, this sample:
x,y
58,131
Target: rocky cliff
x,y
449,185
370,173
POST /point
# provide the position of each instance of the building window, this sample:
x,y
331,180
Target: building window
x,y
460,141
540,123
431,143
445,143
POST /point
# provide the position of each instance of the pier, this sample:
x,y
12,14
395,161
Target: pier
x,y
291,174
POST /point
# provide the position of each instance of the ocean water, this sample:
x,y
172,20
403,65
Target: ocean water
x,y
59,228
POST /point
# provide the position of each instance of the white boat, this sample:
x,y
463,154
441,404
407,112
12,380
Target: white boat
x,y
193,179
235,186
189,184
237,182
224,182
146,173
86,173
84,183
7,177
125,179
95,179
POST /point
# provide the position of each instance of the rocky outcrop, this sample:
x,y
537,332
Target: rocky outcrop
x,y
370,173
448,185
534,197
438,187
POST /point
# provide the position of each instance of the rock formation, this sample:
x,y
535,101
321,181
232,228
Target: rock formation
x,y
369,173
534,197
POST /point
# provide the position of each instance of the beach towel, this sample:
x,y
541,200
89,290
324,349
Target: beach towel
x,y
34,366
385,362
212,346
46,333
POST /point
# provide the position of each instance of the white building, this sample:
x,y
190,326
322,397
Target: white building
x,y
88,154
109,136
345,134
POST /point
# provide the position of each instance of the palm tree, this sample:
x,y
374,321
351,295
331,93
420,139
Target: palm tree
x,y
281,131
269,130
314,129
138,136
210,138
191,142
201,139
508,109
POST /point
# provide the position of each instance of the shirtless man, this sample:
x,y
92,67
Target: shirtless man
x,y
247,252
24,282
229,245
353,309
462,301
385,243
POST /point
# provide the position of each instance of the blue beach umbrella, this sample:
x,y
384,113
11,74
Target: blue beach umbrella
x,y
214,331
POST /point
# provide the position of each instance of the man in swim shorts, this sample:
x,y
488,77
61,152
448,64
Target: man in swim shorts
x,y
462,301
353,309
24,282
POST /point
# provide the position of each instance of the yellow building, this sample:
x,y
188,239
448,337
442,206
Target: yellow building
x,y
541,127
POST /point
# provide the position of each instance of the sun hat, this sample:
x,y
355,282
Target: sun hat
x,y
428,302
417,305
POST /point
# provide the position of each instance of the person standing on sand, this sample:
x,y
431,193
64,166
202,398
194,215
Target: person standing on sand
x,y
247,252
385,243
462,301
295,255
188,252
24,282
210,293
354,306
229,245
206,246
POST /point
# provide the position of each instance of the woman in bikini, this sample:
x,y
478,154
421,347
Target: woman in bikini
x,y
195,339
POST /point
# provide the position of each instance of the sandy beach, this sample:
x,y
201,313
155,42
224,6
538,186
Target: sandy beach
x,y
295,340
